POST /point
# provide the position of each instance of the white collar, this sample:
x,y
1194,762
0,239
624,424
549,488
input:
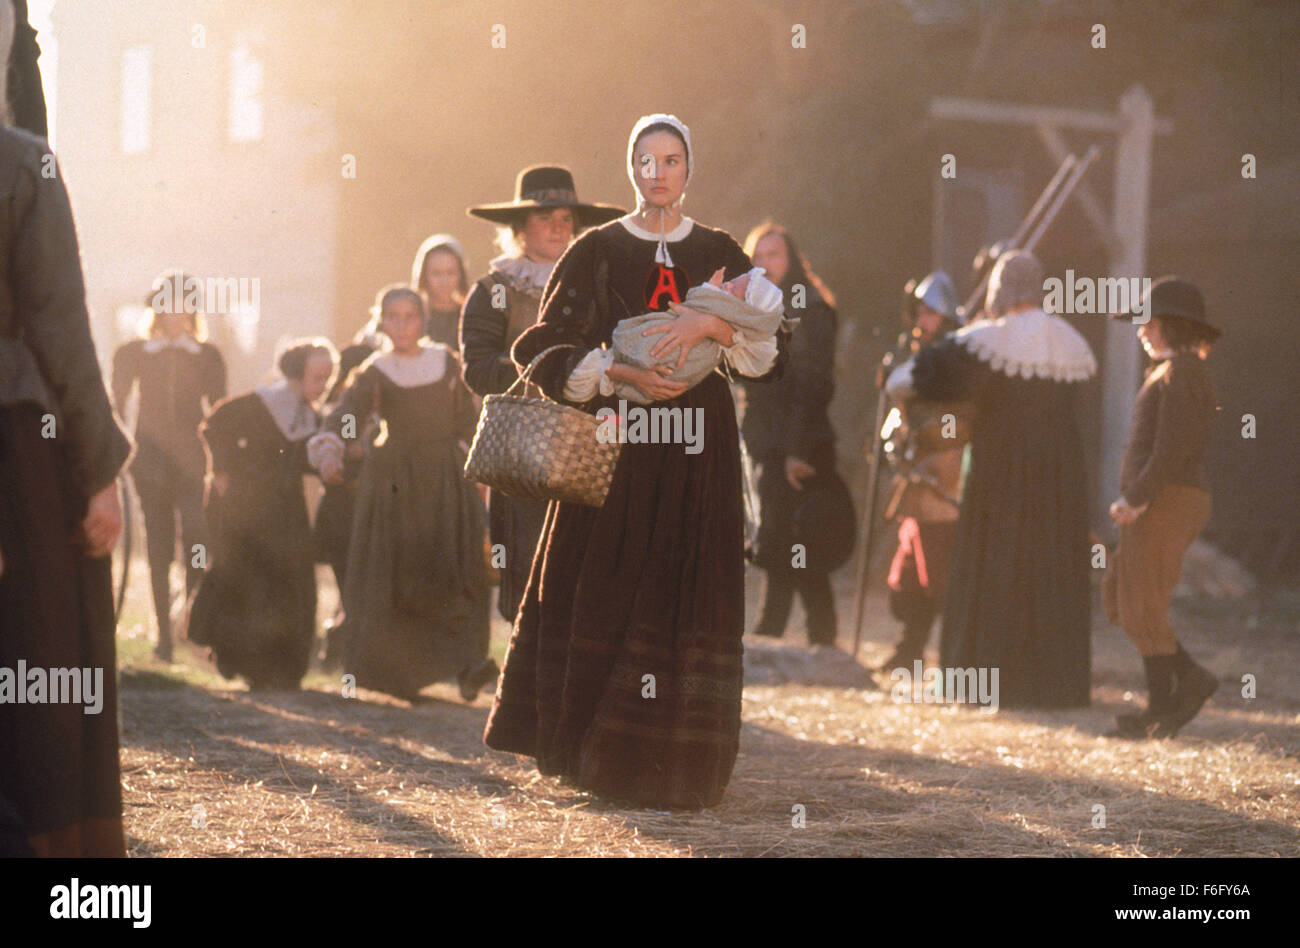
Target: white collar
x,y
293,416
1030,344
527,275
183,341
677,233
407,371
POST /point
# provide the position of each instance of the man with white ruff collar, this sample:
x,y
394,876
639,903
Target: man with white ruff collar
x,y
1018,588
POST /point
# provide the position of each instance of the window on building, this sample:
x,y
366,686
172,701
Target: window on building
x,y
137,99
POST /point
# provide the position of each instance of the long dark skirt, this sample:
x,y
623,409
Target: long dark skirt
x,y
516,523
625,665
58,765
416,597
256,606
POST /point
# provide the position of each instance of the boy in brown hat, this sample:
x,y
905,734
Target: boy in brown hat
x,y
1165,503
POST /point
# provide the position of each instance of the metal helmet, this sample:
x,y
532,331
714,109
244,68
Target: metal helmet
x,y
936,291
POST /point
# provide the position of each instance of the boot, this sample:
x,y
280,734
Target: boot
x,y
1160,690
473,678
909,650
1194,687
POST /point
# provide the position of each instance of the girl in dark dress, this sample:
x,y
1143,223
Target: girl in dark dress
x,y
416,598
332,529
179,378
644,595
256,606
1018,585
439,275
789,436
60,453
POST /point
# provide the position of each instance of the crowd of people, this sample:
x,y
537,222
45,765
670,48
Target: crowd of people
x,y
647,587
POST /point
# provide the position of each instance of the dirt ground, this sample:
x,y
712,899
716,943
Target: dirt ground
x,y
829,764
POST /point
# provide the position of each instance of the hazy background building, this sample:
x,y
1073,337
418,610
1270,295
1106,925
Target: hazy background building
x,y
311,145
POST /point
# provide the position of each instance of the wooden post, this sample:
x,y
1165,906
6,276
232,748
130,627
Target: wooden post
x,y
1120,370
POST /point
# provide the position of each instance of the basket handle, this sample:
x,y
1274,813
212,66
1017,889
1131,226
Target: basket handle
x,y
525,375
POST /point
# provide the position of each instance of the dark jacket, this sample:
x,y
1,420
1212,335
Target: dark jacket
x,y
1172,420
488,332
788,417
173,383
47,355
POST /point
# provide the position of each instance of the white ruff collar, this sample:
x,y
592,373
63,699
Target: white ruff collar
x,y
293,416
528,276
183,341
677,233
1030,344
407,371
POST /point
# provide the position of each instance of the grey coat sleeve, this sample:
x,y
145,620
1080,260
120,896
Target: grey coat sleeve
x,y
50,304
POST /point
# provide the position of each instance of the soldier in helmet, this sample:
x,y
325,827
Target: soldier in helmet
x,y
924,442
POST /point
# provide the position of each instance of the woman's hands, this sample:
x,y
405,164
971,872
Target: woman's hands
x,y
689,328
649,382
220,483
331,470
103,522
1123,513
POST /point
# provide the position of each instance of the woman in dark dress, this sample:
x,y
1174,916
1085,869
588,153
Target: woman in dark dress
x,y
1018,584
644,595
60,453
536,228
179,378
332,529
790,438
416,597
439,275
256,606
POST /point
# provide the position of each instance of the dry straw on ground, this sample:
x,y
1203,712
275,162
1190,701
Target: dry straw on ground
x,y
210,769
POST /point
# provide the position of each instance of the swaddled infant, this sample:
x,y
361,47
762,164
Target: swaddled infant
x,y
751,305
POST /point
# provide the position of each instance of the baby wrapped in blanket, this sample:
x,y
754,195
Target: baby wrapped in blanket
x,y
751,305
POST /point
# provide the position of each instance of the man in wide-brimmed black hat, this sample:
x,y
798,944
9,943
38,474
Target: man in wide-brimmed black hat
x,y
1164,504
537,226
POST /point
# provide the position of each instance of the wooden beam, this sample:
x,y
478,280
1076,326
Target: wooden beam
x,y
1092,209
1010,113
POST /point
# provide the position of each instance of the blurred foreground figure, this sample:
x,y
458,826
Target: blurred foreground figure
x,y
1018,588
60,453
1165,503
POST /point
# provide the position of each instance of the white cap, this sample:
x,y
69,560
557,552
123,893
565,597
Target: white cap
x,y
658,118
762,293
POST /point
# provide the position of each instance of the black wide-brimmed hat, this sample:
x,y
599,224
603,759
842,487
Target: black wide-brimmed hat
x,y
1174,296
541,187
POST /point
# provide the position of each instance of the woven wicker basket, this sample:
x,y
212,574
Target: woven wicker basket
x,y
536,447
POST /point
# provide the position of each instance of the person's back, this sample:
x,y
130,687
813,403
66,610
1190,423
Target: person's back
x,y
60,453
